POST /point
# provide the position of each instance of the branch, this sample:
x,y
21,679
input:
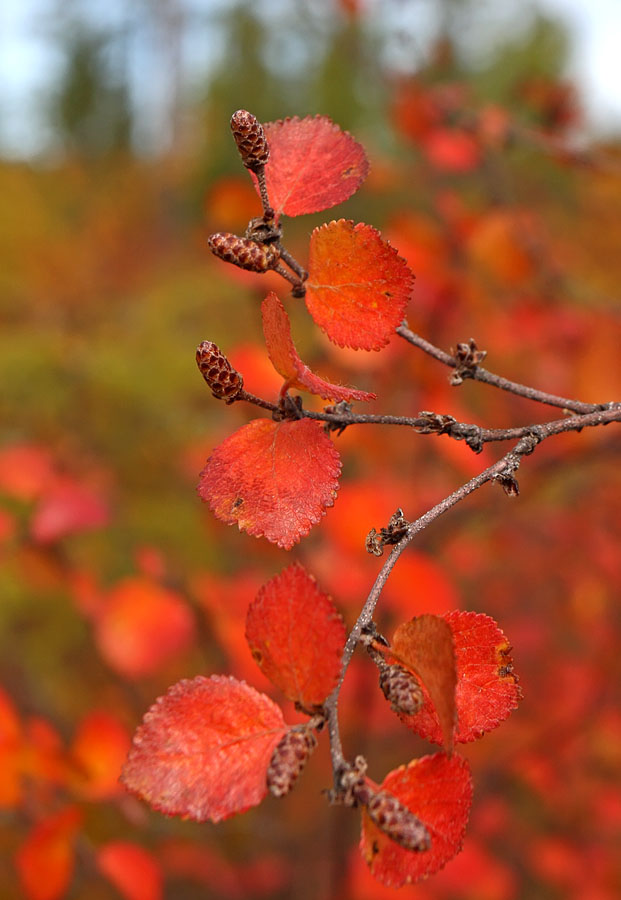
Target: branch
x,y
478,373
501,471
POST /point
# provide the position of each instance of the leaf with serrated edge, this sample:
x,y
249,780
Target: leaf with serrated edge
x,y
285,359
203,749
438,790
425,645
297,636
487,688
313,165
274,479
358,286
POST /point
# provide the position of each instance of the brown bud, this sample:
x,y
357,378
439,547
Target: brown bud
x,y
401,689
225,382
397,821
289,758
243,252
250,139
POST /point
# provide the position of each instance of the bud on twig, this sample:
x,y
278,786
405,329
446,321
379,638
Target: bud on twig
x,y
243,252
250,139
289,758
467,357
225,381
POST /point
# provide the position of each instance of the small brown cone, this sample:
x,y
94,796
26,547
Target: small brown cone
x,y
243,252
225,381
250,139
288,759
401,689
396,820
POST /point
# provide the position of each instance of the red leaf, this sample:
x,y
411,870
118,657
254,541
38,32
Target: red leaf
x,y
452,151
133,871
203,749
297,636
313,165
437,789
425,645
487,690
25,470
358,286
285,359
11,749
274,479
45,859
142,626
66,508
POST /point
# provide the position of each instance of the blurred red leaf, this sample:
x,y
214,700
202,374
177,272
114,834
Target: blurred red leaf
x,y
99,748
285,359
134,872
141,626
437,789
487,689
203,749
358,286
10,751
274,479
313,165
66,508
45,860
297,636
450,150
425,645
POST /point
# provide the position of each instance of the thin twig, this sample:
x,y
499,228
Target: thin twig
x,y
478,373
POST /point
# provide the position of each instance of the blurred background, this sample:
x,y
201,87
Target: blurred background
x,y
493,134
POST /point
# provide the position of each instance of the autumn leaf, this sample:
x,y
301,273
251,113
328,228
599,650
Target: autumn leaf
x,y
358,286
425,645
487,688
141,626
98,751
203,749
134,872
438,790
46,858
274,479
67,507
297,636
285,359
313,165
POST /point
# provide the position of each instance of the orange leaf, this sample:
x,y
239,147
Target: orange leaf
x,y
274,479
99,749
358,286
284,357
142,626
313,165
203,749
487,689
133,871
438,790
425,645
45,859
297,636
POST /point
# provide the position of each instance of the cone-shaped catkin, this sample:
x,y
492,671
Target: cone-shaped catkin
x,y
243,252
401,689
288,759
250,139
396,820
225,382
